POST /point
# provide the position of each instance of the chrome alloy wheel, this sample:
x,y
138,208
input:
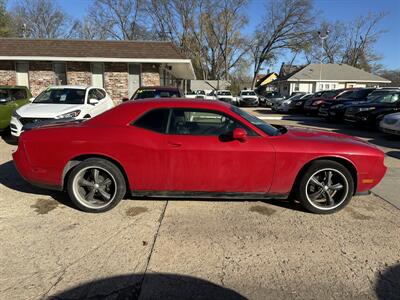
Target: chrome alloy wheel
x,y
94,187
326,189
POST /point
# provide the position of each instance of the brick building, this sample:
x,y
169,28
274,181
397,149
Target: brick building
x,y
118,66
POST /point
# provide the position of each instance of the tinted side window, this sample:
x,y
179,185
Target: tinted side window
x,y
200,122
92,94
100,94
155,120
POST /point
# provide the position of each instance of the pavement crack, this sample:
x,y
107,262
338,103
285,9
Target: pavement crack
x,y
161,218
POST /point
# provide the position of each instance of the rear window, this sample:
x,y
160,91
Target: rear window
x,y
144,94
155,120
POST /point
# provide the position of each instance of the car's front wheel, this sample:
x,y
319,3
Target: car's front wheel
x,y
325,187
96,185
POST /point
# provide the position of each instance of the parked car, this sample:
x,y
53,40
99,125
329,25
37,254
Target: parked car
x,y
270,98
297,105
225,96
194,148
156,92
61,102
248,98
202,94
11,98
372,112
334,109
312,106
284,106
391,124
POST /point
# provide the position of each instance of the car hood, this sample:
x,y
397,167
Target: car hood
x,y
308,134
42,110
248,97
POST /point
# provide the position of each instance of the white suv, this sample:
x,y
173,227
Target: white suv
x,y
61,102
225,95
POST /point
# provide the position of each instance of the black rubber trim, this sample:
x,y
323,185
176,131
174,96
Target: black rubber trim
x,y
196,194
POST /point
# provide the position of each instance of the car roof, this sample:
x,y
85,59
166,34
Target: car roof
x,y
78,87
130,110
13,87
165,88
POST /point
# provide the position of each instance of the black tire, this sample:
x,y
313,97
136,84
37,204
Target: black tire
x,y
305,183
106,171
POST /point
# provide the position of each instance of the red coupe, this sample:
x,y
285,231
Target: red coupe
x,y
195,148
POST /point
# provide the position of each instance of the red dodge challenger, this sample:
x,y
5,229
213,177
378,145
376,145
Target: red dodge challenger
x,y
195,148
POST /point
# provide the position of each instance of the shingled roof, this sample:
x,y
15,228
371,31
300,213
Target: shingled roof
x,y
334,72
88,49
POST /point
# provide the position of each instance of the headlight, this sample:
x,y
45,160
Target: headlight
x,y
72,114
366,108
16,115
336,106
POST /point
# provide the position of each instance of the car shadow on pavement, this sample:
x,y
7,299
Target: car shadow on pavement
x,y
388,283
394,154
8,138
149,286
10,178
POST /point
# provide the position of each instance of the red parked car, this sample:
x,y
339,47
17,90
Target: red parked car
x,y
172,147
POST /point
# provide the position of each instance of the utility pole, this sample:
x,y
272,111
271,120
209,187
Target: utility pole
x,y
322,38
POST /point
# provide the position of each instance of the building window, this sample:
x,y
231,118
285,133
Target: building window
x,y
60,72
333,86
97,74
22,69
296,87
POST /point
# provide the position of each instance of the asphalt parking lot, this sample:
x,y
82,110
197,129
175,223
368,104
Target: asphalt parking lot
x,y
178,249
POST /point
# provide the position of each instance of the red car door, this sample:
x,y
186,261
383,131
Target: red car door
x,y
203,158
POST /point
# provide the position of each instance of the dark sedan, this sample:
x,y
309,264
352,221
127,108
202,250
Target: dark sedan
x,y
334,109
312,106
372,112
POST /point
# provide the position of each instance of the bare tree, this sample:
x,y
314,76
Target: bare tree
x,y
287,25
41,19
351,43
207,31
117,19
5,21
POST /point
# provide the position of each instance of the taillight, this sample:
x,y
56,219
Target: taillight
x,y
318,102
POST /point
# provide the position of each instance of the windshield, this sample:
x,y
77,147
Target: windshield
x,y
249,93
273,95
295,97
61,96
378,93
225,93
331,94
360,94
389,98
260,124
144,94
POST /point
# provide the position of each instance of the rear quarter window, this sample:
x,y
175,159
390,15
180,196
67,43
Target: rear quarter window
x,y
155,120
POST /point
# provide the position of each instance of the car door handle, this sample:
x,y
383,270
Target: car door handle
x,y
174,144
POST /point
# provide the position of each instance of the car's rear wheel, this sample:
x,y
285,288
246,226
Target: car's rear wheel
x,y
96,185
325,187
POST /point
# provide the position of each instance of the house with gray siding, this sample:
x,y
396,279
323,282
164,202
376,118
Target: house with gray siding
x,y
318,77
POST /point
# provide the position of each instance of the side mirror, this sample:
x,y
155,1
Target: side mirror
x,y
31,99
93,101
240,134
125,99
